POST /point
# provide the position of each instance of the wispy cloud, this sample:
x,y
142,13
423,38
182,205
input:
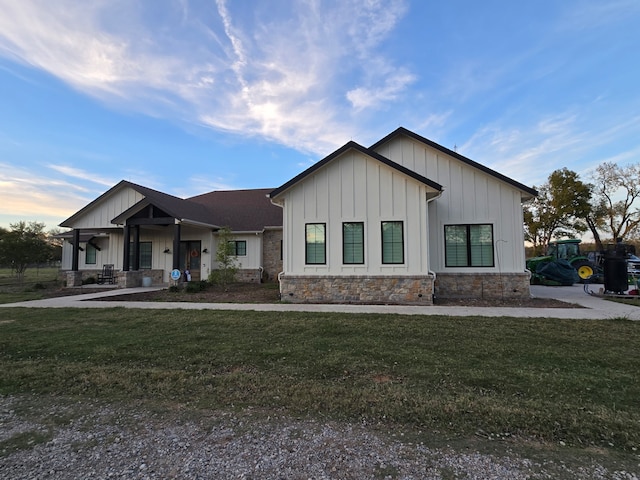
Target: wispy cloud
x,y
530,152
78,173
26,194
226,68
394,85
592,15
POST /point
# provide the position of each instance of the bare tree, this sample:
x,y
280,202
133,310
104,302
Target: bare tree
x,y
616,191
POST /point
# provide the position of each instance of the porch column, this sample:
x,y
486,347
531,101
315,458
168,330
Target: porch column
x,y
127,238
136,247
76,250
176,246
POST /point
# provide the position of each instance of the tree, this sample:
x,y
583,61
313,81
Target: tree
x,y
560,209
225,256
24,245
616,190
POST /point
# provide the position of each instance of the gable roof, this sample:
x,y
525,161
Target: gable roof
x,y
366,151
241,210
174,206
403,131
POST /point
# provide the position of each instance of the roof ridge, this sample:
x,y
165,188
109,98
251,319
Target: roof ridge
x,y
404,131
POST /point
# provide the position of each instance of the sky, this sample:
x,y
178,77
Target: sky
x,y
190,96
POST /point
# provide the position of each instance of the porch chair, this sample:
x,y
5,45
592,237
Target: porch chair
x,y
107,275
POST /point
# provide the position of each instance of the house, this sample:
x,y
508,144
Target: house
x,y
397,222
147,233
400,222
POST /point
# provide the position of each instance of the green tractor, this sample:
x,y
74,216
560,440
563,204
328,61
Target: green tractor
x,y
568,250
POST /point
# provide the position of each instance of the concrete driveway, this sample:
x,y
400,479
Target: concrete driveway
x,y
593,307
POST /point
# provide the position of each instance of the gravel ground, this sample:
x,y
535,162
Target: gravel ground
x,y
81,440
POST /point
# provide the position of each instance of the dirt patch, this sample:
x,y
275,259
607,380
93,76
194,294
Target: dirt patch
x,y
235,293
515,303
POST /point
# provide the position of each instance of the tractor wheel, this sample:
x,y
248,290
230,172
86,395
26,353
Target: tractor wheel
x,y
584,268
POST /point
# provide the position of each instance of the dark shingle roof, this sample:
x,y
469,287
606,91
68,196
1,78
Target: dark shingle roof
x,y
174,206
241,210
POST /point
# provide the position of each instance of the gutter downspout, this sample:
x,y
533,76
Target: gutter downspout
x,y
280,273
429,271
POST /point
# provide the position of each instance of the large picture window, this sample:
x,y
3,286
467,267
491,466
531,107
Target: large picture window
x,y
238,248
353,243
468,245
315,244
392,242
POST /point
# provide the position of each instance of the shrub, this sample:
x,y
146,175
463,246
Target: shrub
x,y
192,287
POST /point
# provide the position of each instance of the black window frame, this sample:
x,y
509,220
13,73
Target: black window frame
x,y
93,251
143,255
383,243
307,244
235,250
469,246
345,261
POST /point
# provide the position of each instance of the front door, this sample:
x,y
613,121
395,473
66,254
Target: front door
x,y
190,258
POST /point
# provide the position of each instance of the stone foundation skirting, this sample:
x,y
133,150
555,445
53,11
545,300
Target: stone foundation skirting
x,y
482,285
400,290
248,275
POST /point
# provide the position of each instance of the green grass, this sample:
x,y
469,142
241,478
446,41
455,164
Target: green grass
x,y
628,301
550,380
33,286
31,275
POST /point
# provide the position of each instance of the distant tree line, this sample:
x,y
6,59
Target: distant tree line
x,y
25,244
566,206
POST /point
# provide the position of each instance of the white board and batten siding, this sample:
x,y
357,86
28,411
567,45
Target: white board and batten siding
x,y
253,259
101,214
356,188
470,196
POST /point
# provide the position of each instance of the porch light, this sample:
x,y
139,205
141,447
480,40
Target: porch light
x,y
166,250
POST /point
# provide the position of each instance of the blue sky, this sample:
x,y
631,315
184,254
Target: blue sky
x,y
189,96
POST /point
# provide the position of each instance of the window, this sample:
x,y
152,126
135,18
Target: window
x,y
468,245
315,244
353,243
238,248
90,255
145,255
392,242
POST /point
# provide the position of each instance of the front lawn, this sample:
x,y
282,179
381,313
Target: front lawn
x,y
569,381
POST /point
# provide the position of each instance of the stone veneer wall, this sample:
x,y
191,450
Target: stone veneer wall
x,y
248,275
405,290
482,285
122,279
271,255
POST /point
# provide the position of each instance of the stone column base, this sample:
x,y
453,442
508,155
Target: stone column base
x,y
130,279
74,279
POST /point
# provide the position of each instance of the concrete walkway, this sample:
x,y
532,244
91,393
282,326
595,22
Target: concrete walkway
x,y
594,307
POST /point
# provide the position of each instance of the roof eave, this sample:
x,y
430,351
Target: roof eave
x,y
364,150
